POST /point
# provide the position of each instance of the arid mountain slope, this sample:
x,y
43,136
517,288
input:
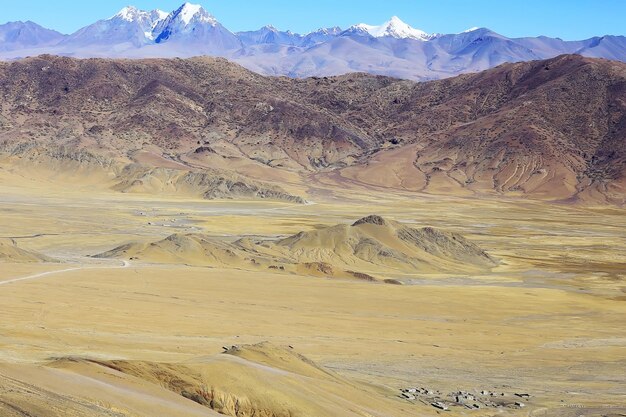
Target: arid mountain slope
x,y
553,129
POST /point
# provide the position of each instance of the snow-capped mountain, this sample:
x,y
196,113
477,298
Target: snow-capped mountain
x,y
394,28
393,48
195,31
183,21
134,33
128,29
146,20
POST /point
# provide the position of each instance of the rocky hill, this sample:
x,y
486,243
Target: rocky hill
x,y
372,245
553,129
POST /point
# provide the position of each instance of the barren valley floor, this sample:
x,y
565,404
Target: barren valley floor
x,y
548,320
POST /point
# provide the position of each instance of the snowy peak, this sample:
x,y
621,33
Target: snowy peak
x,y
394,28
335,30
472,29
135,28
190,13
184,21
157,21
191,27
185,14
128,13
158,15
132,14
146,21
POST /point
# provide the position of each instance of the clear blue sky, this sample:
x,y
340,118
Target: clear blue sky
x,y
567,19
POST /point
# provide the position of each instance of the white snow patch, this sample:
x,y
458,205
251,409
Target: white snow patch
x,y
128,13
395,28
146,20
189,12
161,15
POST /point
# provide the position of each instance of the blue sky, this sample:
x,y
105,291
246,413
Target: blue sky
x,y
567,19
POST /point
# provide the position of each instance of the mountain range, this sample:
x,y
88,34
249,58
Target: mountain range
x,y
392,49
550,129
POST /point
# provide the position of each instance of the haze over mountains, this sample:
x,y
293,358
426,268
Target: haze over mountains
x,y
393,48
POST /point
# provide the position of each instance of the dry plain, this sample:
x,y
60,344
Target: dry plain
x,y
548,320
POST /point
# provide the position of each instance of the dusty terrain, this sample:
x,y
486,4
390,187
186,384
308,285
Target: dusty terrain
x,y
115,336
186,238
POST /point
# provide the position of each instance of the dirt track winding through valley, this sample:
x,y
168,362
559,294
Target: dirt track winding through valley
x,y
125,264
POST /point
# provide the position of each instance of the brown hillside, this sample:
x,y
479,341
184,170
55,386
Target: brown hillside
x,y
552,129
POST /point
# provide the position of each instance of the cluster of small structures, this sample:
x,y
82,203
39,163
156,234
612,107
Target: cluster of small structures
x,y
232,348
173,222
472,401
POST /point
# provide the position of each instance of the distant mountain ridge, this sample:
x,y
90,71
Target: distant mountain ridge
x,y
392,49
24,35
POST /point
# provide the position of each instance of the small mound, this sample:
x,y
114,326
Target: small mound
x,y
279,357
192,249
11,252
254,380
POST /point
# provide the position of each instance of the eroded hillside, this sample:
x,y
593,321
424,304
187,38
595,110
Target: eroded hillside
x,y
551,129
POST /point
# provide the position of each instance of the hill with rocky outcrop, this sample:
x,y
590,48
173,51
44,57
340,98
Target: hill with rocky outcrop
x,y
369,249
